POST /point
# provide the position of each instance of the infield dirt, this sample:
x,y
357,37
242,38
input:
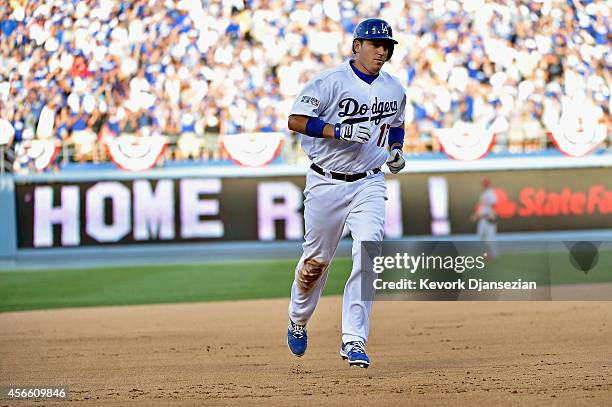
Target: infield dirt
x,y
235,353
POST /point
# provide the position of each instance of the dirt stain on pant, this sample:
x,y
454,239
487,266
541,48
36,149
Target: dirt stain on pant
x,y
310,273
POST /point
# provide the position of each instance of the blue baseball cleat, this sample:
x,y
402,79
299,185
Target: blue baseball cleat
x,y
297,338
355,353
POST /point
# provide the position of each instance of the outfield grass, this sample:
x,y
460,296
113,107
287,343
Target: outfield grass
x,y
28,290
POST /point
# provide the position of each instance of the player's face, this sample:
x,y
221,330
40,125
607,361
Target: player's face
x,y
371,54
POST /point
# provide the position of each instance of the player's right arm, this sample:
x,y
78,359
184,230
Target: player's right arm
x,y
298,123
307,114
315,127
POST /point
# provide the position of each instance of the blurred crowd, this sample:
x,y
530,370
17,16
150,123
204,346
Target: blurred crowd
x,y
194,70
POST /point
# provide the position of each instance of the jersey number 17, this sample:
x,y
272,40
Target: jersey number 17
x,y
382,137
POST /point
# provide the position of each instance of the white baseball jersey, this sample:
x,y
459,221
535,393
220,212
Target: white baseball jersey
x,y
487,227
486,201
338,95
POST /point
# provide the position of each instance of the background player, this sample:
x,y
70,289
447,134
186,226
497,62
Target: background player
x,y
487,217
350,115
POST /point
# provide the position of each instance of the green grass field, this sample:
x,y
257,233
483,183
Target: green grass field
x,y
28,290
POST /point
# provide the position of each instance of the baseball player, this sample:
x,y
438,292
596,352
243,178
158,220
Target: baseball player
x,y
353,120
487,217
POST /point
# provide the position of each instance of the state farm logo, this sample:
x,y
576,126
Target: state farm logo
x,y
536,202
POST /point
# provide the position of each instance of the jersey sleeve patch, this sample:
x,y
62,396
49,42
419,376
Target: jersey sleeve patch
x,y
310,100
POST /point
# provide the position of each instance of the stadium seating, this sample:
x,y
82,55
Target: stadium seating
x,y
193,72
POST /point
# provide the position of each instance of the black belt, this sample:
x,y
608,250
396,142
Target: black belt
x,y
343,177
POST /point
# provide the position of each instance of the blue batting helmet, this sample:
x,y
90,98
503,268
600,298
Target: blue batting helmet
x,y
375,29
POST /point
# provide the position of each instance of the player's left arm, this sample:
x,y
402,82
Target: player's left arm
x,y
396,161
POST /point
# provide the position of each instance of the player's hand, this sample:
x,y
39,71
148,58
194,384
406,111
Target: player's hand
x,y
356,133
396,161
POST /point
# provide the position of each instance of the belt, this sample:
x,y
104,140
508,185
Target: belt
x,y
343,177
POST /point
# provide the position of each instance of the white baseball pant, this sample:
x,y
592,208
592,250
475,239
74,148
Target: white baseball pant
x,y
329,206
487,232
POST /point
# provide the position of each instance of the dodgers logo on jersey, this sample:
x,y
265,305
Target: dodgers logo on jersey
x,y
380,110
311,100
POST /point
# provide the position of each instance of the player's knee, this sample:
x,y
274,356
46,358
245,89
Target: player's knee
x,y
310,272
